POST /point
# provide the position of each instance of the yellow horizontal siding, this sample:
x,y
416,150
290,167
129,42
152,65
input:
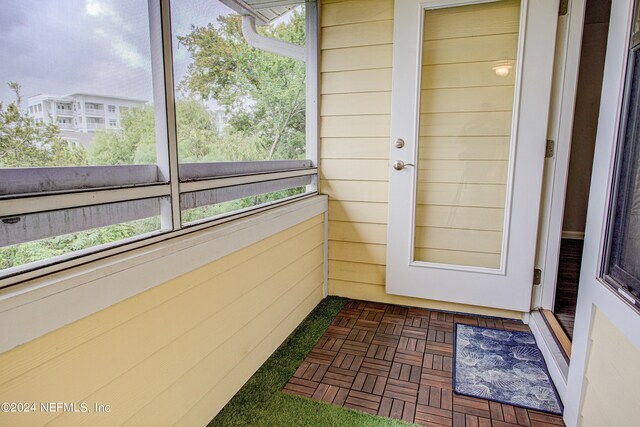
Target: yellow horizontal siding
x,y
494,47
375,80
358,212
356,44
369,126
360,232
469,74
489,123
356,191
445,256
355,11
358,148
471,21
458,239
612,394
357,272
367,253
357,34
467,100
158,347
356,104
475,195
470,38
247,366
463,171
490,219
465,148
356,58
353,169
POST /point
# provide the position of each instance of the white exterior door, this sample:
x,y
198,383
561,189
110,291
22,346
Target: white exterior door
x,y
470,105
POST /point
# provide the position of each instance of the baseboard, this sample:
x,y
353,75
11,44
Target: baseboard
x,y
575,235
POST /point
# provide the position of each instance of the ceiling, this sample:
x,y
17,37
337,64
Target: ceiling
x,y
265,11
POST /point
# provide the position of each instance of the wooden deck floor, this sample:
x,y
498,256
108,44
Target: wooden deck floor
x,y
397,362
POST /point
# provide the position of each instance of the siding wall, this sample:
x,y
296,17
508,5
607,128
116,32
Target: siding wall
x,y
612,376
356,43
179,352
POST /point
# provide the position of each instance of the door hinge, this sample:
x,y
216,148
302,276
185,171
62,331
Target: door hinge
x,y
564,7
550,148
537,276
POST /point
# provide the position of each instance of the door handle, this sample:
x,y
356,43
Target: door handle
x,y
399,165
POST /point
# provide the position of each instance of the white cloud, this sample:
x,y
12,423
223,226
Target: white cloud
x,y
97,8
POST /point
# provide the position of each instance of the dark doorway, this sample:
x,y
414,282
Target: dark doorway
x,y
592,56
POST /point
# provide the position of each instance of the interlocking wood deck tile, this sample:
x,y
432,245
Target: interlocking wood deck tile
x,y
397,362
337,332
381,352
361,335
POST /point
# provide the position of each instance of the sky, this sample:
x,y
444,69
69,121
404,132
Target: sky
x,y
90,46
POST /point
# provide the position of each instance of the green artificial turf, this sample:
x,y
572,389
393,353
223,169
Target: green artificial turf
x,y
261,402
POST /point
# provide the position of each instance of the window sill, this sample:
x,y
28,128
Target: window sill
x,y
33,308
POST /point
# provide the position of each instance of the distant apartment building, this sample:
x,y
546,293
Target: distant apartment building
x,y
80,115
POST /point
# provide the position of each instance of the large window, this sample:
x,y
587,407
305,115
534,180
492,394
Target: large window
x,y
74,181
237,105
622,267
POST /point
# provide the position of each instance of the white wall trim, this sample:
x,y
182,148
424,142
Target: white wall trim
x,y
312,73
326,255
34,308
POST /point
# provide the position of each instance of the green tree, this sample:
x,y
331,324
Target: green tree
x,y
198,139
263,93
24,253
26,143
134,144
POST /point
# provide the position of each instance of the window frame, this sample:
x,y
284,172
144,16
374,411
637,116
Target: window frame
x,y
75,187
623,284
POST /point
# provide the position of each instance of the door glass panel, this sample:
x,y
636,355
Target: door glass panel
x,y
624,261
466,103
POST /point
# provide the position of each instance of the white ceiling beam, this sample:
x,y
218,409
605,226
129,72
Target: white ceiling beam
x,y
275,3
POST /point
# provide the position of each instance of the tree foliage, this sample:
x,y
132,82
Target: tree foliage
x,y
263,93
198,138
26,143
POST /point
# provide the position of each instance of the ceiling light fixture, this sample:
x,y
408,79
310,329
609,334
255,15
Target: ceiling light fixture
x,y
503,68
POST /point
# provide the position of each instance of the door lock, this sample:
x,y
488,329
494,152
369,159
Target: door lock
x,y
399,143
399,165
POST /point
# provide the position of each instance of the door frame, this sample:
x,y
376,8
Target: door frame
x,y
521,208
561,116
593,294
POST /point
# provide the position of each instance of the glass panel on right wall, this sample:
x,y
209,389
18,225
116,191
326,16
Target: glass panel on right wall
x,y
466,107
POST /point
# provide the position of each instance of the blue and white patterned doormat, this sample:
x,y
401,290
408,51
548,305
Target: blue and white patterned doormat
x,y
504,366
